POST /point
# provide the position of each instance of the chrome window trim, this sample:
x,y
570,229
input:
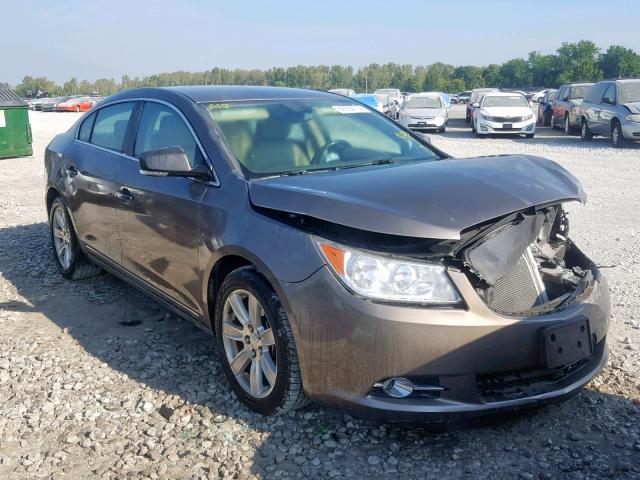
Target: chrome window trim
x,y
214,183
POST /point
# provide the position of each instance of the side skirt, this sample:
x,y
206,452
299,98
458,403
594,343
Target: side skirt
x,y
146,288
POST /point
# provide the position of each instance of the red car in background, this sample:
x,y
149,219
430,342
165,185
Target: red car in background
x,y
81,104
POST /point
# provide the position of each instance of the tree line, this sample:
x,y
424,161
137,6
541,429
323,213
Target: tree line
x,y
580,61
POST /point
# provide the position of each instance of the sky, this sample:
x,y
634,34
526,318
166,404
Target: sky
x,y
88,39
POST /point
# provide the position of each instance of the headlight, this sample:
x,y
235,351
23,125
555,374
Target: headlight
x,y
634,117
488,118
385,278
531,116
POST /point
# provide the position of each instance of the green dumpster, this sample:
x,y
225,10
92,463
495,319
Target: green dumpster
x,y
15,131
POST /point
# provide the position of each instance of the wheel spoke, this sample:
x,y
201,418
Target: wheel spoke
x,y
238,308
57,232
269,368
60,248
60,220
232,332
255,312
240,362
267,338
255,378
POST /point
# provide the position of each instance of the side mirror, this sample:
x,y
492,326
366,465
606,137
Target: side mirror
x,y
541,99
608,101
476,105
170,162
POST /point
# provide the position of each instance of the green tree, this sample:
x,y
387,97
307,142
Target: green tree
x,y
619,61
579,62
438,76
470,75
491,75
515,74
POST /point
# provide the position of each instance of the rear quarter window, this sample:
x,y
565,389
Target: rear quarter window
x,y
84,132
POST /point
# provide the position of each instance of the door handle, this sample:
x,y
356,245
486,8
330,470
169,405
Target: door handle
x,y
72,171
124,194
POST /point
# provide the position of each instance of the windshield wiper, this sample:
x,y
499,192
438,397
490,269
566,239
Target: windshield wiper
x,y
381,161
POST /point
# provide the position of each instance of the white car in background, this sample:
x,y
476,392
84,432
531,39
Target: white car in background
x,y
346,92
503,113
424,111
395,97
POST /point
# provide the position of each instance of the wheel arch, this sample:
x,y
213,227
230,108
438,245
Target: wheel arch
x,y
226,261
52,194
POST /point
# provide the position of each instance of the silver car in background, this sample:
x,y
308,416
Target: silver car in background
x,y
424,111
612,108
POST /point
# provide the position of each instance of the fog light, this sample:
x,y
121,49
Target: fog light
x,y
483,128
398,387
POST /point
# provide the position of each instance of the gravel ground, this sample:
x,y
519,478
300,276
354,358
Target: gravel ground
x,y
96,381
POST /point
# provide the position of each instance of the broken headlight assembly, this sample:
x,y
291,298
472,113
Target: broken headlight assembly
x,y
389,279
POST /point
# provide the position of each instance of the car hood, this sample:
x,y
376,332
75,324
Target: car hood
x,y
633,107
506,111
435,200
424,112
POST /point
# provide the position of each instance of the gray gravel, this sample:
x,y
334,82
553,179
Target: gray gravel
x,y
83,395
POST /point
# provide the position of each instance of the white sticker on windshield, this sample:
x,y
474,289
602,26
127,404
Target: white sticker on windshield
x,y
3,122
350,109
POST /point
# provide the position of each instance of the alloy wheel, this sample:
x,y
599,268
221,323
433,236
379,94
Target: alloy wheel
x,y
62,238
615,136
249,343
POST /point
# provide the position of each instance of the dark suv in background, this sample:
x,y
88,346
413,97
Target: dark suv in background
x,y
565,111
545,103
612,107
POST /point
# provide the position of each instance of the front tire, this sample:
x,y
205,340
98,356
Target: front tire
x,y
529,135
617,137
256,345
567,125
71,262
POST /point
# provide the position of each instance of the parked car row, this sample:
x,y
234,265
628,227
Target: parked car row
x,y
609,108
75,103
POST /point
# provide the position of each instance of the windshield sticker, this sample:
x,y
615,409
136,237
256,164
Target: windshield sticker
x,y
218,106
350,109
402,134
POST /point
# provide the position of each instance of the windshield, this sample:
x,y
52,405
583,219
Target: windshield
x,y
551,95
303,135
505,101
382,99
629,92
423,102
579,91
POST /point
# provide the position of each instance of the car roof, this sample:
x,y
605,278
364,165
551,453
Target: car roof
x,y
577,84
218,93
503,94
426,94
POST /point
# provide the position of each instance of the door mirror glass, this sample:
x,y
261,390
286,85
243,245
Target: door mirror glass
x,y
169,161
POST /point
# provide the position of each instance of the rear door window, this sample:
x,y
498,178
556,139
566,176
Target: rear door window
x,y
160,127
111,125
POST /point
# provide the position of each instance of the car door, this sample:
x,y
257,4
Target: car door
x,y
592,107
607,109
158,215
556,106
91,165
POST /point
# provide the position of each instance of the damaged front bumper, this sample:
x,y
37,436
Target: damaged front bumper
x,y
481,360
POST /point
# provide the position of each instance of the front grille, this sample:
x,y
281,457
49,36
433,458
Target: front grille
x,y
499,387
508,119
516,291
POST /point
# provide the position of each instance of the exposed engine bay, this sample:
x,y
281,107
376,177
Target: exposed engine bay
x,y
528,265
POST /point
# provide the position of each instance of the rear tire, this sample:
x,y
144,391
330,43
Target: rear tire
x,y
552,121
546,119
72,263
275,359
585,134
